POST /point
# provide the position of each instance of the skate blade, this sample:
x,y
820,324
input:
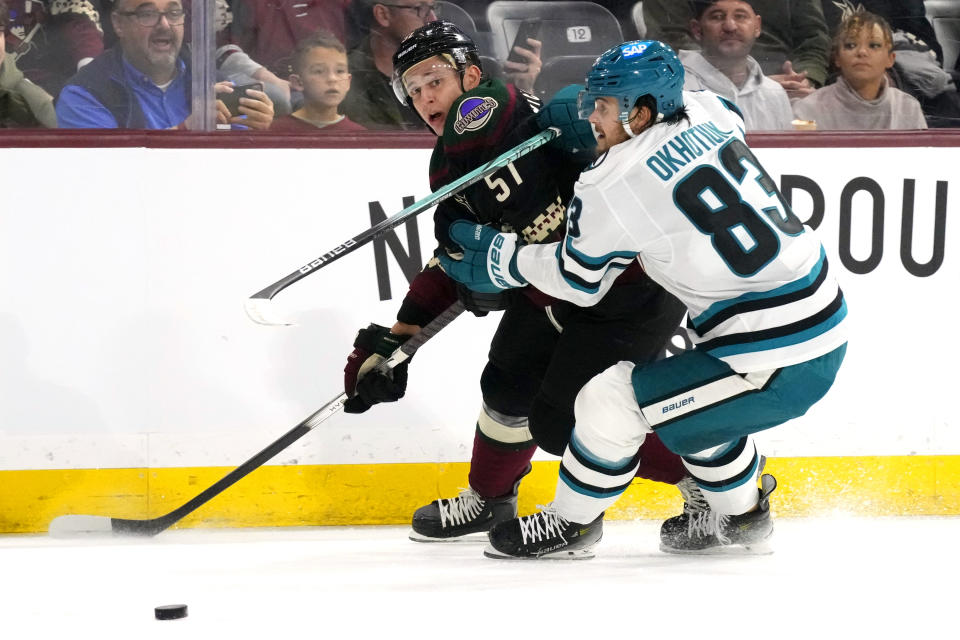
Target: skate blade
x,y
566,554
469,538
761,548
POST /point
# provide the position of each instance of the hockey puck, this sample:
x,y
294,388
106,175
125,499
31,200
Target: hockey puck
x,y
170,612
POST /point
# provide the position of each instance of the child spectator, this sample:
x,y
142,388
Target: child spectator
x,y
269,30
862,97
320,72
22,103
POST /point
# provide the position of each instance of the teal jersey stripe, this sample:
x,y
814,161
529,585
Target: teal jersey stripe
x,y
784,341
789,288
574,281
616,465
747,477
612,493
596,262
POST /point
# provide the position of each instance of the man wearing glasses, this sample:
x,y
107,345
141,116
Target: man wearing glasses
x,y
370,101
144,82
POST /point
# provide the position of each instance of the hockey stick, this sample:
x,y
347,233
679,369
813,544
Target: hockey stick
x,y
81,525
257,306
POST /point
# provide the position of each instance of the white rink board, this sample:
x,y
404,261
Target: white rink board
x,y
125,344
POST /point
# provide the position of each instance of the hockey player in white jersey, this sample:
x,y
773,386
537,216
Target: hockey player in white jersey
x,y
677,188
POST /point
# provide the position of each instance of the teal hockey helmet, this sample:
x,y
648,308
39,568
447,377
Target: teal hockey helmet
x,y
632,70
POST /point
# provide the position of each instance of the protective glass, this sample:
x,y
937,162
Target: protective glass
x,y
422,10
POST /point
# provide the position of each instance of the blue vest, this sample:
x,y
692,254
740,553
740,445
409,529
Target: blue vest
x,y
103,78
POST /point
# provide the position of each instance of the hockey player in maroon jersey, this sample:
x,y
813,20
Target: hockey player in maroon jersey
x,y
544,350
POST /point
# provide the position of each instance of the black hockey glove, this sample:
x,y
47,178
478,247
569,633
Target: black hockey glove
x,y
480,304
365,387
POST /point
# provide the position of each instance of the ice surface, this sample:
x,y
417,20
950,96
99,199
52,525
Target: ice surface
x,y
830,578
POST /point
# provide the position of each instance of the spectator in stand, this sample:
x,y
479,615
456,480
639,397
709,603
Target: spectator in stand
x,y
144,81
917,72
320,72
236,66
22,103
49,40
371,101
918,69
726,31
793,46
269,30
909,16
862,97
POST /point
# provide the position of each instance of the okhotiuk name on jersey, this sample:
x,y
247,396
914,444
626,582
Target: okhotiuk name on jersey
x,y
684,148
474,113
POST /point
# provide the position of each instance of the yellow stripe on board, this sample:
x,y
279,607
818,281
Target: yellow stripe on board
x,y
280,496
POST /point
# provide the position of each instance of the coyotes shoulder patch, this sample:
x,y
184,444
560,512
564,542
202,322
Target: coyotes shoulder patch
x,y
474,113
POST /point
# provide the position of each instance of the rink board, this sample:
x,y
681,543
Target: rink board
x,y
132,380
389,493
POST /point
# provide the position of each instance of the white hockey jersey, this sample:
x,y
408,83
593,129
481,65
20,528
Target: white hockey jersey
x,y
691,202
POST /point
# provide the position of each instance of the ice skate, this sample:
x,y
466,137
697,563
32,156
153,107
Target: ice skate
x,y
465,517
545,535
700,530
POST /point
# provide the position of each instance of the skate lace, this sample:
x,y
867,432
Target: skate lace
x,y
693,500
544,524
708,523
464,508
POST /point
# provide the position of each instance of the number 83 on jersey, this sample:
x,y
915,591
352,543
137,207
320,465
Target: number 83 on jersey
x,y
723,205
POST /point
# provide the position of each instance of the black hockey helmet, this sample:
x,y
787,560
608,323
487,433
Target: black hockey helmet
x,y
432,39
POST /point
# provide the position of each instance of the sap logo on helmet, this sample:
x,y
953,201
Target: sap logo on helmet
x,y
633,49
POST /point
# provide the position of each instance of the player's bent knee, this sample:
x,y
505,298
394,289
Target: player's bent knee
x,y
606,410
611,387
550,426
507,392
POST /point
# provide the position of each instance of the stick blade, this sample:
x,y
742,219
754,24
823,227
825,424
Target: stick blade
x,y
80,527
264,311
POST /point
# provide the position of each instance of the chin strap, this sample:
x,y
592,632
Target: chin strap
x,y
625,121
